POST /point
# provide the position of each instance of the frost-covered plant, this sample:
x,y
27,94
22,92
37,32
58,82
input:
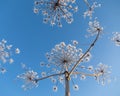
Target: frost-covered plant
x,y
94,27
66,63
91,9
6,52
64,56
116,38
29,78
102,73
55,10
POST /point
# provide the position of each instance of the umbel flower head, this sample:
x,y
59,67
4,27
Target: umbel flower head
x,y
29,77
90,11
5,54
102,73
64,56
94,27
116,38
54,10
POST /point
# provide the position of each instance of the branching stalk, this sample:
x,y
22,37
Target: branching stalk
x,y
80,60
50,76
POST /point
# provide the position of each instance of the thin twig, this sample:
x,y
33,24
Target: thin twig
x,y
49,76
87,3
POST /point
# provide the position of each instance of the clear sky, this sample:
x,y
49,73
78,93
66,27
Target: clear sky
x,y
25,30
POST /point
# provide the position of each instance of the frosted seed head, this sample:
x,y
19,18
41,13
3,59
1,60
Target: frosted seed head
x,y
42,64
75,42
55,88
9,47
3,70
90,68
43,74
83,77
36,11
76,87
11,60
17,51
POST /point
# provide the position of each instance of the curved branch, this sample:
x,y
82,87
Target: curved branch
x,y
80,60
49,76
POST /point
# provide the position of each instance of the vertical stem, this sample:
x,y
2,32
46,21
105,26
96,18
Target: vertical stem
x,y
67,85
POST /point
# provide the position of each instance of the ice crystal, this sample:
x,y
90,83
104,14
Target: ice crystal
x,y
55,10
116,38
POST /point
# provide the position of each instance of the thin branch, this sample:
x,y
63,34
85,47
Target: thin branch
x,y
86,2
49,76
80,60
64,12
86,74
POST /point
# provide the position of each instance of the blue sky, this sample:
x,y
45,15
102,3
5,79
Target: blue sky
x,y
25,30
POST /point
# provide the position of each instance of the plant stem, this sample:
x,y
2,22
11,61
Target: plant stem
x,y
67,85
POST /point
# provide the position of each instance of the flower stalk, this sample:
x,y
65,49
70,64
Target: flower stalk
x,y
80,60
67,85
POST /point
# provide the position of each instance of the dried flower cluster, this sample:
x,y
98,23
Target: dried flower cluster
x,y
64,59
64,56
116,38
94,27
5,54
55,10
90,11
61,59
102,73
29,78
